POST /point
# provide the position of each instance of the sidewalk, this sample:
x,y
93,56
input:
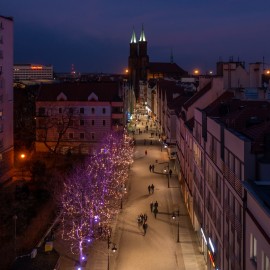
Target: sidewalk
x,y
158,249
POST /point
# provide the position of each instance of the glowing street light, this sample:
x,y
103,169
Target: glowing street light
x,y
22,156
196,71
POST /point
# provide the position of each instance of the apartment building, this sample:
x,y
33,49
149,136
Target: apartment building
x,y
74,117
22,72
222,143
6,98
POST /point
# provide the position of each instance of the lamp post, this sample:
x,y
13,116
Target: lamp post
x,y
22,156
114,249
123,190
174,217
15,235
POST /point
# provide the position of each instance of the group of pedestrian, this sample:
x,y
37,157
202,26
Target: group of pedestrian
x,y
151,167
154,208
142,219
151,189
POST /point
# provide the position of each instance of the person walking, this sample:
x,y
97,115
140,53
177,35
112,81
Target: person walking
x,y
145,218
144,228
156,204
149,189
150,168
145,152
155,212
152,188
153,167
151,207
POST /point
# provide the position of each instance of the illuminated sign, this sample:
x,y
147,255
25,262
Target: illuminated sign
x,y
36,67
211,258
204,238
211,245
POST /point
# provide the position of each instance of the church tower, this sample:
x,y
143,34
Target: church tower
x,y
133,63
143,57
138,61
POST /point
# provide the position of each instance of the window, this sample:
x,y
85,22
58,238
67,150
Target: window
x,y
60,110
104,110
93,122
81,122
82,110
70,135
265,262
41,111
81,136
92,136
70,110
93,110
104,122
253,248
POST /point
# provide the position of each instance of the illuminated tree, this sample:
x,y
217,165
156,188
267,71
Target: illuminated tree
x,y
91,194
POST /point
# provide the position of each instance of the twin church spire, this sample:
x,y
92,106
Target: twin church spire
x,y
138,61
142,36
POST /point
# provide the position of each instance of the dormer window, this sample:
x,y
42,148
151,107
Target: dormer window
x,y
61,97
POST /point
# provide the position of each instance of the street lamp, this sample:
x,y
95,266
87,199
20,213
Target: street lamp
x,y
174,217
15,235
123,190
22,156
114,249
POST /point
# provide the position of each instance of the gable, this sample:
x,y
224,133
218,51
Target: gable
x,y
93,97
62,97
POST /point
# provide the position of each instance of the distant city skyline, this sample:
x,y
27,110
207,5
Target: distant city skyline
x,y
94,36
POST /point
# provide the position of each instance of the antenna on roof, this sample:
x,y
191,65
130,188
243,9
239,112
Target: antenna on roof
x,y
171,57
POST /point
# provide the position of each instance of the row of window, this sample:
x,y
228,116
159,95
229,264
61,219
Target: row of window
x,y
81,136
42,110
265,262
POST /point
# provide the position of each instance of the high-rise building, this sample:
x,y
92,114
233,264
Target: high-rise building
x,y
6,98
33,72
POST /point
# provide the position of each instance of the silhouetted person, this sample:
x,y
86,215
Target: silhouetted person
x,y
155,212
152,188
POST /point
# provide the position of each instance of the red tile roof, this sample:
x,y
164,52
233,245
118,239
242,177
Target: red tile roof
x,y
79,91
166,68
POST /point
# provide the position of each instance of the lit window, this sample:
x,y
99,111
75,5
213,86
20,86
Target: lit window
x,y
265,262
253,248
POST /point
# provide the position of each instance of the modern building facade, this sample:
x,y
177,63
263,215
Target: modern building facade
x,y
24,72
74,117
6,98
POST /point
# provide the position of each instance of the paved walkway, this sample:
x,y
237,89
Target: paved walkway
x,y
159,249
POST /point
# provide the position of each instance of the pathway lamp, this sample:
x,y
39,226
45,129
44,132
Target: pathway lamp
x,y
114,249
174,218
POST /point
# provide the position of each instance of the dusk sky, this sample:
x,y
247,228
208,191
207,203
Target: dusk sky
x,y
94,35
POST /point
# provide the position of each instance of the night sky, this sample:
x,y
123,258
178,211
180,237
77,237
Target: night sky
x,y
94,35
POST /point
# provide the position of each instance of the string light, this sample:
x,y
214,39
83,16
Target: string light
x,y
92,193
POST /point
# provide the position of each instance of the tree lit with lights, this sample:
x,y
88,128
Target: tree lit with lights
x,y
92,193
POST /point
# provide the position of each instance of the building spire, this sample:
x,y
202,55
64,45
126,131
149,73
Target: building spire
x,y
171,57
142,37
133,37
